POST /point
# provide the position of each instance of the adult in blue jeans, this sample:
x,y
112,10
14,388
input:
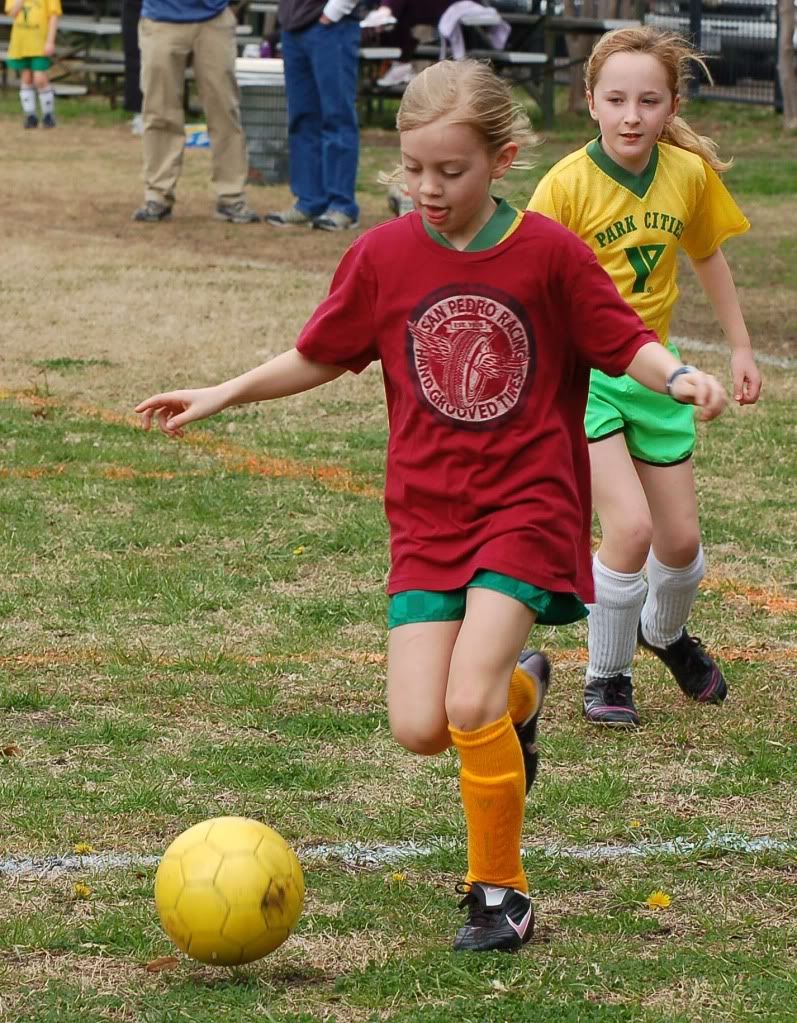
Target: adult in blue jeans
x,y
320,47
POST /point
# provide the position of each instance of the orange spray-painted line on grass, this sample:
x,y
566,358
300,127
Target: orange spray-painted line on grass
x,y
235,457
768,599
33,472
565,658
108,472
242,460
95,657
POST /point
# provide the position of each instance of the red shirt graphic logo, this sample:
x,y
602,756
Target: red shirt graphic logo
x,y
472,352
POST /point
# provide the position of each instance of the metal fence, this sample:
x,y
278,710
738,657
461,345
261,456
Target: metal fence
x,y
739,39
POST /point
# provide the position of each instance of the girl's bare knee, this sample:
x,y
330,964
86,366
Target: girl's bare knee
x,y
418,737
40,80
680,551
469,709
633,536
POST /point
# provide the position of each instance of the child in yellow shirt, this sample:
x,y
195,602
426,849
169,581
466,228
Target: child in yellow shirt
x,y
30,53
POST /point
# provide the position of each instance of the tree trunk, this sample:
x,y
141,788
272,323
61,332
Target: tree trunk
x,y
579,46
786,73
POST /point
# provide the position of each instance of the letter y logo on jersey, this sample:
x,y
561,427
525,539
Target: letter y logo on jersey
x,y
471,350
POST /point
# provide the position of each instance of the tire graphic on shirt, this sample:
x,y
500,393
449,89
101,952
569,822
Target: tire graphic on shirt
x,y
471,353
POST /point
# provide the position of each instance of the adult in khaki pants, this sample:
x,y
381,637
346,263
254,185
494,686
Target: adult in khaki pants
x,y
171,31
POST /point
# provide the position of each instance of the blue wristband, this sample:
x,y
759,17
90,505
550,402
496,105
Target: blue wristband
x,y
673,377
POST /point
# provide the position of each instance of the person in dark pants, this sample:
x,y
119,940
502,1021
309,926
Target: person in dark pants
x,y
320,48
131,12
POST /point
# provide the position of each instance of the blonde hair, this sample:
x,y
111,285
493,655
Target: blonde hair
x,y
467,92
676,56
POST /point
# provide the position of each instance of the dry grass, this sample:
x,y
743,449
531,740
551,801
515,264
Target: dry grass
x,y
195,299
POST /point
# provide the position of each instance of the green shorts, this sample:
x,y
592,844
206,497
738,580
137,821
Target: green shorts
x,y
29,63
412,606
657,429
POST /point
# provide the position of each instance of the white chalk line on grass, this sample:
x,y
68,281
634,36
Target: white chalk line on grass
x,y
355,854
695,343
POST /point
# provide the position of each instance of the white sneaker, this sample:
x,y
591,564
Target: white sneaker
x,y
397,74
378,18
335,220
137,124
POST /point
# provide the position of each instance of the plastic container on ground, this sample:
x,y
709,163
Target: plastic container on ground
x,y
264,117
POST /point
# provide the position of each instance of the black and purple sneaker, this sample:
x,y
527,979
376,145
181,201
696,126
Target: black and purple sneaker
x,y
691,666
610,701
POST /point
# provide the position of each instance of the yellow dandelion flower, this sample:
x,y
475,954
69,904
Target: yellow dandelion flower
x,y
82,891
298,550
83,848
658,900
635,824
396,877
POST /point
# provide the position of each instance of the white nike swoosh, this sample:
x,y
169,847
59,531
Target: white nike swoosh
x,y
521,928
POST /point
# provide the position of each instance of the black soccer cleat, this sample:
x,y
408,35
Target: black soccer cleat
x,y
610,701
538,667
691,666
499,919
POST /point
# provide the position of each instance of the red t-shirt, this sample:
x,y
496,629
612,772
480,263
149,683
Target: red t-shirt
x,y
486,358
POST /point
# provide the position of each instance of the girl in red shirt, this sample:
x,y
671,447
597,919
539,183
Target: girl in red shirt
x,y
486,322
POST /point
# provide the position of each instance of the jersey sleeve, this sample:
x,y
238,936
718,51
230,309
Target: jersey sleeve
x,y
605,330
341,332
550,199
716,218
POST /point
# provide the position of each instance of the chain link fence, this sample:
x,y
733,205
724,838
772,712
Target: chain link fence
x,y
739,39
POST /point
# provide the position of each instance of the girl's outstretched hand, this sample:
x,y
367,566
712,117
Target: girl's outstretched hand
x,y
175,409
746,378
702,390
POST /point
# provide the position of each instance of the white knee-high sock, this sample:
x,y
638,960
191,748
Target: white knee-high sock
x,y
613,620
671,593
27,98
47,100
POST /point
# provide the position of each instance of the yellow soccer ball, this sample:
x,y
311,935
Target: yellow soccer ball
x,y
229,890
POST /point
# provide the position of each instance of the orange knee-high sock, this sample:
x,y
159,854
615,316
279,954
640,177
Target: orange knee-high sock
x,y
493,794
524,695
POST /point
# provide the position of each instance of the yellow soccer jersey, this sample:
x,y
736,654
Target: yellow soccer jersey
x,y
635,223
29,31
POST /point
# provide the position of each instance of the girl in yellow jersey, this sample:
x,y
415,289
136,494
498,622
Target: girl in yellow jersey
x,y
30,53
647,187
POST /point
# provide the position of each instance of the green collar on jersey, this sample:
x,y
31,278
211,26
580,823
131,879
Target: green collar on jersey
x,y
491,234
636,183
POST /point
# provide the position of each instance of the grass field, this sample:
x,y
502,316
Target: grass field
x,y
196,628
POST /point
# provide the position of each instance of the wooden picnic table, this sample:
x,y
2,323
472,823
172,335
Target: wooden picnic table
x,y
522,59
528,32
